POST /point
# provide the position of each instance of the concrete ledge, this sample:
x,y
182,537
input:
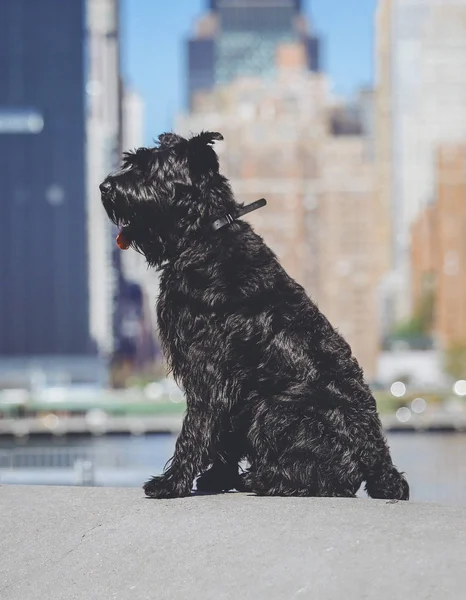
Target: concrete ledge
x,y
99,543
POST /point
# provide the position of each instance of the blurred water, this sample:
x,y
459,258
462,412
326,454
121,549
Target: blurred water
x,y
121,460
434,463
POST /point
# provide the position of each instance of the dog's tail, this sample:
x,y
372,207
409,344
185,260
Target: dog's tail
x,y
387,482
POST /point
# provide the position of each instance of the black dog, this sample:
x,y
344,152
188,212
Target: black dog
x,y
266,376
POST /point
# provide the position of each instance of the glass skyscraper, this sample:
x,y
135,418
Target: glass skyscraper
x,y
240,38
44,303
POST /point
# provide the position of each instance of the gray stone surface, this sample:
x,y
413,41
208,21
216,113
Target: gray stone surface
x,y
99,543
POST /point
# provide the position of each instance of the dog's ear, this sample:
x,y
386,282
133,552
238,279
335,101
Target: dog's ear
x,y
202,157
207,138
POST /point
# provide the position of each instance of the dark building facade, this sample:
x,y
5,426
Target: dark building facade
x,y
201,65
44,305
240,38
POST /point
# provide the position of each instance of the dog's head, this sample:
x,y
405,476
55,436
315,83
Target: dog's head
x,y
163,196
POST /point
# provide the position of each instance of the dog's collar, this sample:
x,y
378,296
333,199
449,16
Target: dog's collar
x,y
228,219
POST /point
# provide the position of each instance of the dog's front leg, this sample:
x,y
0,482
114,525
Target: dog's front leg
x,y
193,452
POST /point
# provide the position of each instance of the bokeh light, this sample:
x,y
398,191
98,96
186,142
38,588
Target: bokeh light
x,y
460,387
398,389
403,414
418,405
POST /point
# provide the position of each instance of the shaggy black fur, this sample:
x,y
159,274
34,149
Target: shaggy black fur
x,y
266,377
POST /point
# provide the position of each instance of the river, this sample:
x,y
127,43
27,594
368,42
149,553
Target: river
x,y
435,463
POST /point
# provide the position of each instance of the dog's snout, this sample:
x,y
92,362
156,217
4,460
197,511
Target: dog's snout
x,y
105,187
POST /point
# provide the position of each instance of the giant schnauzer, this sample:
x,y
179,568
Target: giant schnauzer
x,y
267,379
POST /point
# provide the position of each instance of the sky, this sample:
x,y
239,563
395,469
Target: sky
x,y
153,50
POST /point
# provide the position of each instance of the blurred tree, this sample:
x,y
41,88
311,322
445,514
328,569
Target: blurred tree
x,y
417,331
120,371
455,360
153,372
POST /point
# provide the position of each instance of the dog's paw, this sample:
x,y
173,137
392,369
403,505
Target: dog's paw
x,y
165,487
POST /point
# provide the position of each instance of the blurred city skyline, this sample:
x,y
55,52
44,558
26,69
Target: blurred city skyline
x,y
153,51
351,120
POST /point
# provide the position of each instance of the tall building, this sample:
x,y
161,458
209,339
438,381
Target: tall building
x,y
349,254
240,38
422,103
133,113
103,154
383,158
59,131
287,141
44,305
139,285
450,312
264,123
438,249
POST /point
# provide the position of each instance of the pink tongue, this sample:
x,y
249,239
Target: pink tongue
x,y
122,242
